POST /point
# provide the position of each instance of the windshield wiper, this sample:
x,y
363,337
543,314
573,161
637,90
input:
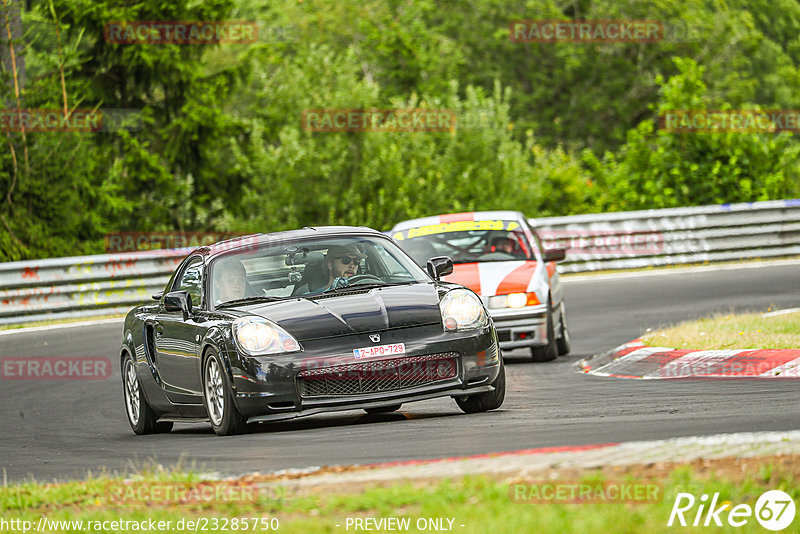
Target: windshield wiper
x,y
260,298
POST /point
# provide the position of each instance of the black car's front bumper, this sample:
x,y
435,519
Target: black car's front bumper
x,y
272,388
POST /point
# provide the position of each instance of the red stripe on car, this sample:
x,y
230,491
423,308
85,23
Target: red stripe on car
x,y
457,217
466,274
518,280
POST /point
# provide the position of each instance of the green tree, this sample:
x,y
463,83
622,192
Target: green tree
x,y
657,168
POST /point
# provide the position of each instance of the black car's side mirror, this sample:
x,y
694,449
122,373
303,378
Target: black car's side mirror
x,y
178,301
439,266
555,254
157,296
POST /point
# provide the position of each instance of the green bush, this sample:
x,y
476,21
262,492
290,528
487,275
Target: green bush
x,y
659,169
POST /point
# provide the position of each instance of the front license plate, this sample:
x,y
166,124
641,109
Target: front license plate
x,y
380,350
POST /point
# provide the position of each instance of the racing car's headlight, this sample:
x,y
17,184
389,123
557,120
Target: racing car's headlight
x,y
462,310
257,336
513,300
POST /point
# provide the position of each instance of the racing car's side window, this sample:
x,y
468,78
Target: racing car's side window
x,y
192,281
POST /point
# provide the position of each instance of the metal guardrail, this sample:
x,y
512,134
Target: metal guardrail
x,y
634,239
113,283
83,285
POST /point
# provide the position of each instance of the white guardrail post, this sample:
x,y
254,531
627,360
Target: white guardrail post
x,y
82,286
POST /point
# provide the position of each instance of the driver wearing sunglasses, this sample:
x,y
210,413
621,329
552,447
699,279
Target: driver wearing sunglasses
x,y
342,262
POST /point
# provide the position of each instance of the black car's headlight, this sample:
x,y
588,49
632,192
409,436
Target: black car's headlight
x,y
462,310
257,336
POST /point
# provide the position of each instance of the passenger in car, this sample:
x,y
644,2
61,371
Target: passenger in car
x,y
230,280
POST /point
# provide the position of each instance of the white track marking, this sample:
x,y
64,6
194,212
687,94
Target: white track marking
x,y
791,368
781,312
696,363
633,356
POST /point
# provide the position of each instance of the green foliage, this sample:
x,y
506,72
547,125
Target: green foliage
x,y
298,177
545,128
663,169
479,502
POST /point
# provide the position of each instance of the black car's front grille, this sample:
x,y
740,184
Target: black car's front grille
x,y
372,377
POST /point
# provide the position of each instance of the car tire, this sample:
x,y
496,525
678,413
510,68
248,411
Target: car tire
x,y
383,409
563,343
546,353
491,400
218,398
142,418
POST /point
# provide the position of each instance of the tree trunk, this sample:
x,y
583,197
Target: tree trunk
x,y
11,20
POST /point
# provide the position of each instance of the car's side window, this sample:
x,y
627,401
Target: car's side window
x,y
192,281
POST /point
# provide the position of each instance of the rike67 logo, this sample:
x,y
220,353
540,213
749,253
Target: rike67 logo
x,y
774,510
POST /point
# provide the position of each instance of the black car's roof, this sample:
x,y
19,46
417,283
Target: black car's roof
x,y
256,240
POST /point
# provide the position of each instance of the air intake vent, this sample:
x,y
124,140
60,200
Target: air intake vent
x,y
372,377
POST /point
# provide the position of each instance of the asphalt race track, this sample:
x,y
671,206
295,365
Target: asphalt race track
x,y
64,429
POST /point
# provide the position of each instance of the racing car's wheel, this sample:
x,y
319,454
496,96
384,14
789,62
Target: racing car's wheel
x,y
547,352
363,278
218,399
142,418
491,400
383,409
563,342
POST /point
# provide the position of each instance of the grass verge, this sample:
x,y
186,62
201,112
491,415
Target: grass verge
x,y
479,503
729,331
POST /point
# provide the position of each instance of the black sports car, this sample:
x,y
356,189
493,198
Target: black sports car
x,y
276,326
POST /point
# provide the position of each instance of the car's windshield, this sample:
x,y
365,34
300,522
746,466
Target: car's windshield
x,y
467,242
309,267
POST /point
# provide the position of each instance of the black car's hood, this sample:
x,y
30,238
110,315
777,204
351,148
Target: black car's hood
x,y
368,311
